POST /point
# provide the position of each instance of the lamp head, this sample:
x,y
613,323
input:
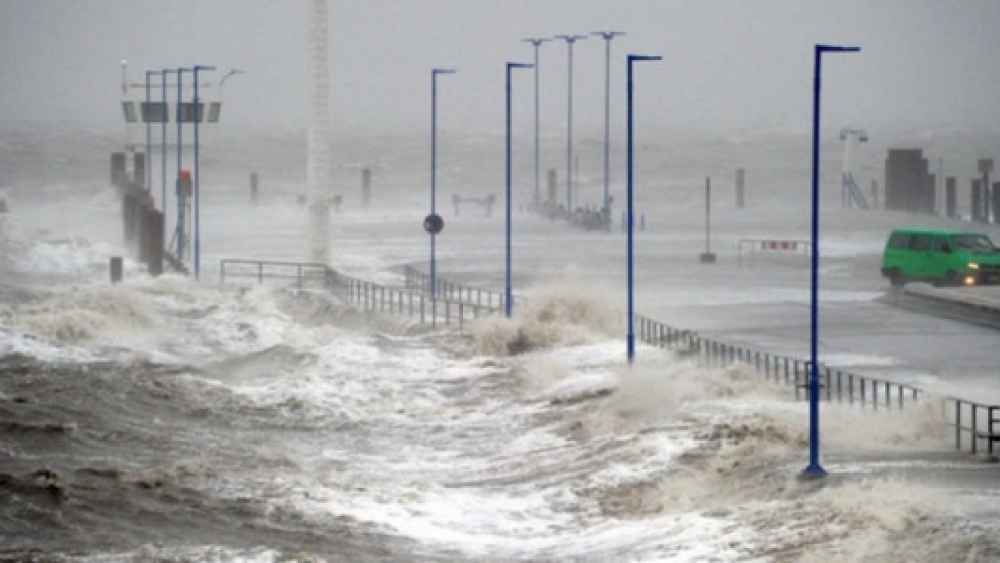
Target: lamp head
x,y
608,35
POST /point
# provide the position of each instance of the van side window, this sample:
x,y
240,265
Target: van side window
x,y
899,241
920,242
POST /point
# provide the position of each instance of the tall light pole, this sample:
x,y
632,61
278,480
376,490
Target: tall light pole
x,y
814,468
180,162
630,336
570,40
536,42
163,144
145,113
608,36
509,294
434,74
196,109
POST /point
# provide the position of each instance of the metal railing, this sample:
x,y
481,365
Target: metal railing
x,y
419,281
365,295
977,422
303,273
976,425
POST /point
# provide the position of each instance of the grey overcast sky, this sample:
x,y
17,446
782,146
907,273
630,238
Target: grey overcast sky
x,y
739,64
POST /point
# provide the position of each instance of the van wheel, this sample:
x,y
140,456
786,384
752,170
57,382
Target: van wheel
x,y
895,278
951,279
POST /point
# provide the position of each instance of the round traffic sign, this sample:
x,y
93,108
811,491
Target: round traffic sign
x,y
433,223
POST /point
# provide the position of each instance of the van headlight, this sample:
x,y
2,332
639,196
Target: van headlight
x,y
973,266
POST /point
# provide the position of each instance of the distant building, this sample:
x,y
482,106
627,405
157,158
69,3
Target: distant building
x,y
908,185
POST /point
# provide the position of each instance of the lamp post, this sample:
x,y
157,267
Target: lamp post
x,y
196,110
180,163
434,74
536,42
608,36
570,40
814,468
630,336
508,295
163,143
149,133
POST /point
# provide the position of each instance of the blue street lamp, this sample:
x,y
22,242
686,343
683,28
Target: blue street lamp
x,y
509,294
570,40
146,113
434,74
608,36
630,337
814,468
163,143
179,232
196,110
536,42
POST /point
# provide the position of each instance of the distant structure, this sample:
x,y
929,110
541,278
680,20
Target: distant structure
x,y
851,194
318,161
161,180
908,184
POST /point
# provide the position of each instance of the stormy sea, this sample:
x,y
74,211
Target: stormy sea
x,y
174,419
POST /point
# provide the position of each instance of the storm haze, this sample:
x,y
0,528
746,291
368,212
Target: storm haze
x,y
726,65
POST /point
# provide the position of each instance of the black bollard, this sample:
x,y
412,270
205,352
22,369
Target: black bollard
x,y
977,200
996,202
119,173
551,186
116,269
139,169
740,177
708,257
155,237
950,202
366,187
142,221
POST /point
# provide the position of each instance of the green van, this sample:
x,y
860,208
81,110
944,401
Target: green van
x,y
940,257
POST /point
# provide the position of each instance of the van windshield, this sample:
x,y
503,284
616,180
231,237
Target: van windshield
x,y
973,243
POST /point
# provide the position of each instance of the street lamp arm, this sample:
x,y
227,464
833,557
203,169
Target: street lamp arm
x,y
230,73
608,35
443,71
536,41
837,49
570,38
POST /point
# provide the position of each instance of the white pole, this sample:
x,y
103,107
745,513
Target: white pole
x,y
318,160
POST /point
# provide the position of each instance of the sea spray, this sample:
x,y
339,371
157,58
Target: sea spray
x,y
87,314
555,315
